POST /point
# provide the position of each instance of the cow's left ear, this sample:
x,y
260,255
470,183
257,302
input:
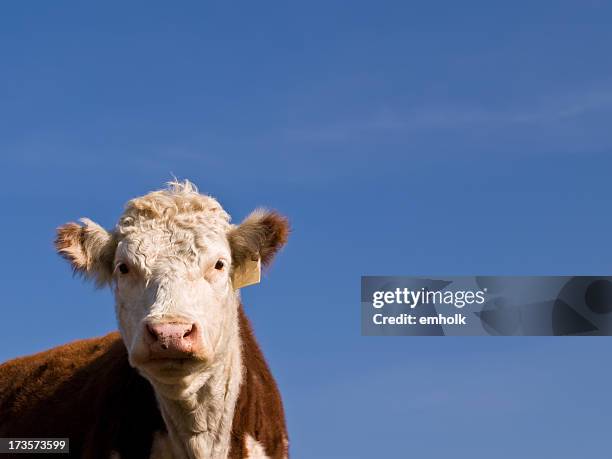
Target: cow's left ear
x,y
89,248
260,235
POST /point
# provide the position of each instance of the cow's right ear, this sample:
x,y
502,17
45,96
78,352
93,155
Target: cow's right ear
x,y
89,248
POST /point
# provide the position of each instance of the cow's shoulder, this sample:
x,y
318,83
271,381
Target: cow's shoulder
x,y
27,382
85,390
258,428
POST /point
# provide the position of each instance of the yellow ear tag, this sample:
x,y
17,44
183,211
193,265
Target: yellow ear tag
x,y
248,274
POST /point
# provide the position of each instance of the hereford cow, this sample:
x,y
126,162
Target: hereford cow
x,y
184,377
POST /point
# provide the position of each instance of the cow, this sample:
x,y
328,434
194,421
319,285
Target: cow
x,y
184,376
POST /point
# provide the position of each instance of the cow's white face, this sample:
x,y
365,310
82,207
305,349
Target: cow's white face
x,y
169,262
175,304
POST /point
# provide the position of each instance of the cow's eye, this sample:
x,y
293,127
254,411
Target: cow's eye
x,y
123,268
220,264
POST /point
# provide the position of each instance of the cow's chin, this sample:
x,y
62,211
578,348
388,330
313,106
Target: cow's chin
x,y
174,384
172,378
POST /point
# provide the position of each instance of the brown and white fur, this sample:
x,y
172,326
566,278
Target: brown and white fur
x,y
184,378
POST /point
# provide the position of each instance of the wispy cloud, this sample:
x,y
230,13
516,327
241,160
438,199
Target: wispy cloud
x,y
544,112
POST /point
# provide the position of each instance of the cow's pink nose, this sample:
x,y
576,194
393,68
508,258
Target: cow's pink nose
x,y
172,339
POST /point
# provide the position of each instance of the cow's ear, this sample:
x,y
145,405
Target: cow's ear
x,y
89,248
260,235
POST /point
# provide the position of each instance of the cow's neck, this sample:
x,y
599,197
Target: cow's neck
x,y
200,426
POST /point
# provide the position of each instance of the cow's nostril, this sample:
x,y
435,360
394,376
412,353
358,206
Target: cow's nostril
x,y
152,333
188,332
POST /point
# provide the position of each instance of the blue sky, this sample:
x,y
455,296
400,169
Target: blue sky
x,y
449,138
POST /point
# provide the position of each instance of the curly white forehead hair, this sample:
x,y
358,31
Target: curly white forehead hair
x,y
180,203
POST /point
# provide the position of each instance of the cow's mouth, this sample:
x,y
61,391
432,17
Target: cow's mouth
x,y
179,359
169,369
177,362
171,357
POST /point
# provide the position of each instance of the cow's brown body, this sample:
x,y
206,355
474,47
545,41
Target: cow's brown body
x,y
87,391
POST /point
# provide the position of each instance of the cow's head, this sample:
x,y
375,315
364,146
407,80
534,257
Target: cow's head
x,y
171,262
